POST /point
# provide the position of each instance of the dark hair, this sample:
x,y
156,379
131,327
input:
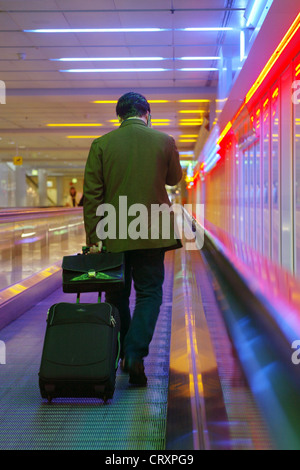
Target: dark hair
x,y
132,104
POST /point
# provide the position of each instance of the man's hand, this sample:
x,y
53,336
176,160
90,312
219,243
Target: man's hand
x,y
96,248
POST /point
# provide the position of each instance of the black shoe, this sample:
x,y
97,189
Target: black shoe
x,y
137,373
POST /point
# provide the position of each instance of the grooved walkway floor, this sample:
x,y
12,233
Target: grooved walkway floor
x,y
134,419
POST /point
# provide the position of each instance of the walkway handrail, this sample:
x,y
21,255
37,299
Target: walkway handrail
x,y
10,215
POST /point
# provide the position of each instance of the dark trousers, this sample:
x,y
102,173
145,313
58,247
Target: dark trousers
x,y
146,269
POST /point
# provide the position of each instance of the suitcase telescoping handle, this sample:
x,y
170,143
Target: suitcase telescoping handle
x,y
78,298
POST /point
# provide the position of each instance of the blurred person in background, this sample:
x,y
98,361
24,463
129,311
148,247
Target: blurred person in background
x,y
74,198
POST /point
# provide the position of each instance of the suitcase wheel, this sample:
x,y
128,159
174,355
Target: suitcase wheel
x,y
48,389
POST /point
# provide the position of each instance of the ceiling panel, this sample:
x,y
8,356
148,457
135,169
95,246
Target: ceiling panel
x,y
39,20
6,22
156,19
13,53
46,40
206,50
143,5
93,20
39,93
14,39
88,4
196,19
211,4
28,5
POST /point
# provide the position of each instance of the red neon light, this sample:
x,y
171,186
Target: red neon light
x,y
268,67
225,132
196,176
274,57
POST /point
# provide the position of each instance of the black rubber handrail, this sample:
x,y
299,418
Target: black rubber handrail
x,y
9,215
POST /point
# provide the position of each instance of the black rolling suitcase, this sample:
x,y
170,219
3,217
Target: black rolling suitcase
x,y
82,340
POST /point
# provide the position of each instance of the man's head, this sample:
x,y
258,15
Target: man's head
x,y
72,191
132,104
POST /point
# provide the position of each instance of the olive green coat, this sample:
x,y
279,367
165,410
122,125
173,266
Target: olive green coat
x,y
137,162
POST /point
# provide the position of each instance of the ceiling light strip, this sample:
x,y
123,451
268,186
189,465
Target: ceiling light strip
x,y
74,125
115,70
154,101
194,101
124,30
199,58
107,59
206,29
129,59
191,111
96,30
199,69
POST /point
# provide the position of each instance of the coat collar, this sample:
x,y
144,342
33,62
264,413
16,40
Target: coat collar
x,y
128,122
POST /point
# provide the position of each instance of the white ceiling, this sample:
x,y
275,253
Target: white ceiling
x,y
38,93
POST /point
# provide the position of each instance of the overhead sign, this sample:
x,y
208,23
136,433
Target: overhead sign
x,y
18,161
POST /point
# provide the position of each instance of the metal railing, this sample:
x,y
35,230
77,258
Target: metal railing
x,y
34,239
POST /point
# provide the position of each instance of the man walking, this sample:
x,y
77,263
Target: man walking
x,y
133,163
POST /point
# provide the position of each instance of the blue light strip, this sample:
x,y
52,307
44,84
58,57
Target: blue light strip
x,y
96,30
255,10
123,30
212,159
107,59
206,29
114,70
199,58
189,152
199,69
128,59
137,70
212,164
242,45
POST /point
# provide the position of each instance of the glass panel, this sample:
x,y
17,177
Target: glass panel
x,y
258,186
31,242
227,192
233,191
243,179
266,176
237,190
297,167
286,170
246,168
275,166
